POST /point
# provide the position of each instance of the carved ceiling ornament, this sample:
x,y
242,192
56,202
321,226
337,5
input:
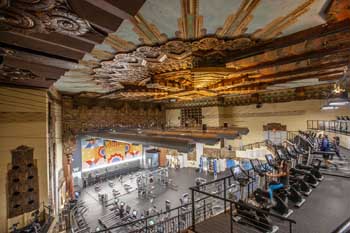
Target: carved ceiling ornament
x,y
8,73
142,64
43,16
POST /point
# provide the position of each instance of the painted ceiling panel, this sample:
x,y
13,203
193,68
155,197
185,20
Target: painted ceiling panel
x,y
299,83
310,19
163,14
269,10
125,31
216,14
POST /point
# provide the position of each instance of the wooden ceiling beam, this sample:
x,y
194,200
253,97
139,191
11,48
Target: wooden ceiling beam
x,y
41,70
28,83
95,14
296,58
76,42
319,67
40,59
295,38
40,45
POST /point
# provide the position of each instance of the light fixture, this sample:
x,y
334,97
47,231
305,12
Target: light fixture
x,y
341,102
327,107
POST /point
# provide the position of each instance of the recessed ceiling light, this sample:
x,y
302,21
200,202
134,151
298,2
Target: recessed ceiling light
x,y
329,107
338,102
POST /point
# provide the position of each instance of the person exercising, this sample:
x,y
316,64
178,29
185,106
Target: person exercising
x,y
282,176
325,147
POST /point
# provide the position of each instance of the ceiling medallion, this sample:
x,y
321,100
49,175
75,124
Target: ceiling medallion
x,y
43,16
141,66
8,73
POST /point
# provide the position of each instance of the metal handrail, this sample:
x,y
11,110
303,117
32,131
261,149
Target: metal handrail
x,y
195,188
344,227
152,216
330,126
231,202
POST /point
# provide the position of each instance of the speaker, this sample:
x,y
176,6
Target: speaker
x,y
204,127
23,184
225,125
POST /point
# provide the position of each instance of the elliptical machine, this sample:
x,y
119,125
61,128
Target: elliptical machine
x,y
291,193
314,168
307,176
246,214
298,182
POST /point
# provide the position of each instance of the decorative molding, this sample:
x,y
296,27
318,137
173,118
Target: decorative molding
x,y
148,33
8,73
42,16
338,10
237,23
276,27
190,24
149,64
270,114
275,126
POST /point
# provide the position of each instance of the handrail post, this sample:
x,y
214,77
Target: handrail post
x,y
231,223
290,227
205,210
225,195
146,225
193,206
178,220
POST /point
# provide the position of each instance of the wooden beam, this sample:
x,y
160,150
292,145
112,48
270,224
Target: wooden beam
x,y
129,7
76,42
110,8
39,59
28,83
298,37
295,58
41,45
95,14
41,70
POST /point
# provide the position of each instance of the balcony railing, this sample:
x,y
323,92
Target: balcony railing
x,y
335,126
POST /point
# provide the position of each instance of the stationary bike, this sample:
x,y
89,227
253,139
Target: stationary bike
x,y
245,214
291,193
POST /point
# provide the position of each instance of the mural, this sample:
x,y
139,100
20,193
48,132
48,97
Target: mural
x,y
98,152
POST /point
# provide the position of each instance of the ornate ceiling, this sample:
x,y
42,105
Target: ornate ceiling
x,y
166,50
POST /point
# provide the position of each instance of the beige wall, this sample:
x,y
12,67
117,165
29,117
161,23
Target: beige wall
x,y
18,127
293,114
173,117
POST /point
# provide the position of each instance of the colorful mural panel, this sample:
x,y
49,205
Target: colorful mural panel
x,y
101,152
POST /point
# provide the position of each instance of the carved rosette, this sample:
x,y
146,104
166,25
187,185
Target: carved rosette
x,y
44,16
8,73
146,64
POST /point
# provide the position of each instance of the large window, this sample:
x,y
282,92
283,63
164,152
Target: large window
x,y
191,117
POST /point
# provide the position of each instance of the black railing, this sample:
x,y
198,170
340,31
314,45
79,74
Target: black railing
x,y
229,202
254,145
336,126
344,227
174,220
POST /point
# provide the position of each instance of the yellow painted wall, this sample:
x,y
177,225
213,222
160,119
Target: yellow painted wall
x,y
293,114
16,131
173,117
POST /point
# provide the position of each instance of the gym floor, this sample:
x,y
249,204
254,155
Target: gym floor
x,y
326,208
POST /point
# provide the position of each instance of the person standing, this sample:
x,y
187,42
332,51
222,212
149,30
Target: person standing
x,y
336,147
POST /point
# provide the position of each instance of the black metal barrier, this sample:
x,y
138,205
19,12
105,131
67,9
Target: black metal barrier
x,y
343,228
336,126
230,203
